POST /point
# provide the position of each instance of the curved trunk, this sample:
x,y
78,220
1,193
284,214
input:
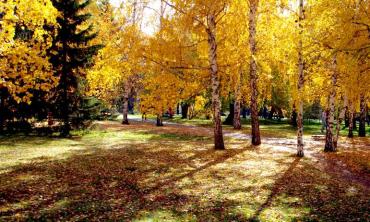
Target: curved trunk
x,y
362,127
256,137
212,56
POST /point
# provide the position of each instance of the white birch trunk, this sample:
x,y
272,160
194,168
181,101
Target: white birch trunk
x,y
300,151
216,104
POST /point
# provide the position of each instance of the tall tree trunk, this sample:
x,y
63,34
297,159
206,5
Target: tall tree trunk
x,y
256,138
237,103
65,130
350,127
300,152
212,44
329,140
126,95
362,127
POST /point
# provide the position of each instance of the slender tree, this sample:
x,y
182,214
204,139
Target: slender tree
x,y
300,84
216,102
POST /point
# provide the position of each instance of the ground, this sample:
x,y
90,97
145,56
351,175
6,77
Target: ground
x,y
141,172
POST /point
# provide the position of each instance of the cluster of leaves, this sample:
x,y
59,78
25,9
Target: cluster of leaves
x,y
24,63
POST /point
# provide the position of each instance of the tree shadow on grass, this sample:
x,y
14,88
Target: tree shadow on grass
x,y
325,197
142,182
275,191
101,184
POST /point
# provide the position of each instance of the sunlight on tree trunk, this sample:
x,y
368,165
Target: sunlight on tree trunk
x,y
212,44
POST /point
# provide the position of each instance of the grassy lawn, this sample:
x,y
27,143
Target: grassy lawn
x,y
144,173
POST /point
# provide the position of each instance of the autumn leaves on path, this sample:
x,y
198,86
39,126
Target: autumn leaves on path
x,y
140,172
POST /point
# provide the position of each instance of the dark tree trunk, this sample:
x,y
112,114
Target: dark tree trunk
x,y
159,120
272,111
256,138
362,126
244,112
184,110
65,130
346,119
230,118
293,119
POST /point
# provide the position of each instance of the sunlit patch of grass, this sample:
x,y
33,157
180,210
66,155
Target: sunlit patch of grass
x,y
59,205
283,212
163,215
15,206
